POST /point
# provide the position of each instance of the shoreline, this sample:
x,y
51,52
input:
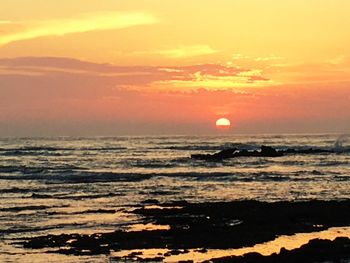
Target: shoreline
x,y
181,227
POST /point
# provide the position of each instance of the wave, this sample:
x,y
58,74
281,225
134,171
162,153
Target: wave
x,y
28,208
157,163
71,176
34,148
73,197
37,170
333,163
55,151
15,190
30,229
250,145
74,177
97,211
211,147
342,178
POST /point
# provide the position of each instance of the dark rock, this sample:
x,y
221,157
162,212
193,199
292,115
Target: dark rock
x,y
98,211
134,258
265,151
203,250
227,153
150,202
207,225
155,259
176,252
224,154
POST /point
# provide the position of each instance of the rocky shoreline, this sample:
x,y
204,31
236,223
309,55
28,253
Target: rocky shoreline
x,y
220,225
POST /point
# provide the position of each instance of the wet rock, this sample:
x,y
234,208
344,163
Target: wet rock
x,y
206,225
203,250
133,254
136,258
150,202
98,211
176,252
265,151
224,154
155,259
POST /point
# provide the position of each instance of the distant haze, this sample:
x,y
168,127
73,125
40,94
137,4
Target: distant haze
x,y
174,67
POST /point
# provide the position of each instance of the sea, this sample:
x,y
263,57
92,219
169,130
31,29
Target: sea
x,y
68,184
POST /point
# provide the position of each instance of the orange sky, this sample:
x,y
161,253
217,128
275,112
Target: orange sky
x,y
88,67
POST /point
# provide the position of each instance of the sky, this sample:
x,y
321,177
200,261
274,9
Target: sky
x,y
153,67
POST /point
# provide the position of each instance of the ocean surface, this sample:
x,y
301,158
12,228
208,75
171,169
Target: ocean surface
x,y
67,185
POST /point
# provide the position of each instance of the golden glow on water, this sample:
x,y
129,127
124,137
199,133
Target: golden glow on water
x,y
40,256
86,219
147,227
161,207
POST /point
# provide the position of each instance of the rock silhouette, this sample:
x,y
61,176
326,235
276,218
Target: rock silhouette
x,y
220,225
265,151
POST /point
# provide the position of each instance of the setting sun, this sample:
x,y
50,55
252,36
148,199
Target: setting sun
x,y
223,123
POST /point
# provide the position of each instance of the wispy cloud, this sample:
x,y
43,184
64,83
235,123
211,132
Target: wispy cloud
x,y
62,91
257,59
270,58
181,52
180,78
84,23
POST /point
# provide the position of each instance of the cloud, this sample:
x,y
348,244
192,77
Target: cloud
x,y
338,60
66,96
181,52
8,27
252,59
270,58
214,77
84,23
183,78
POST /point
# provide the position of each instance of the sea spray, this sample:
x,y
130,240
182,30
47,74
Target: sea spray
x,y
339,143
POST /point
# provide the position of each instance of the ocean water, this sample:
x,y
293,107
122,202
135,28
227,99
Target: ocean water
x,y
61,185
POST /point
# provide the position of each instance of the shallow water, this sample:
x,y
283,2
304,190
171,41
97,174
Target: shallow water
x,y
60,185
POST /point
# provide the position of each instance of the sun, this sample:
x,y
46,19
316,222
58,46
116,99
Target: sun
x,y
223,123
